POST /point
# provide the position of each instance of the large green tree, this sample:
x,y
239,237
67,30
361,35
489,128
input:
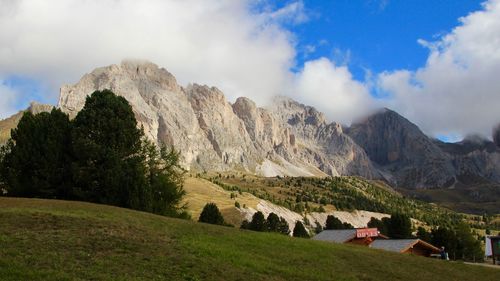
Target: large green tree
x,y
36,160
107,145
101,156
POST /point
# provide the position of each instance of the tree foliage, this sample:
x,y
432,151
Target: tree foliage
x,y
283,228
108,164
273,222
399,226
299,230
36,160
332,222
211,214
381,225
101,156
424,235
458,242
258,222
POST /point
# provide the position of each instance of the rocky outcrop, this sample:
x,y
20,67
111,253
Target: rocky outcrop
x,y
212,134
496,135
6,125
408,158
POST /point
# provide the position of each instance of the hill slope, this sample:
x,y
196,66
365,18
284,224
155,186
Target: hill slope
x,y
60,240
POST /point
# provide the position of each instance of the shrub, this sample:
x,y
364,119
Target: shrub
x,y
211,214
258,222
300,231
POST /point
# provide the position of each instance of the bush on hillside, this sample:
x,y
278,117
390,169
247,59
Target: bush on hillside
x,y
333,222
284,228
211,214
300,231
272,222
258,222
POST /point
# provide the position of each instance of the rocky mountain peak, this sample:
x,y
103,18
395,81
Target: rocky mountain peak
x,y
496,135
36,107
288,138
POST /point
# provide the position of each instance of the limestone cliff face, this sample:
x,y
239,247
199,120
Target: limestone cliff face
x,y
410,159
496,135
287,138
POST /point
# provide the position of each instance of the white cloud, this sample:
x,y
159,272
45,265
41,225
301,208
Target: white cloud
x,y
332,90
293,12
458,90
8,99
220,42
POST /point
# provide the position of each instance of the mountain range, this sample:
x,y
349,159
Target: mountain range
x,y
286,137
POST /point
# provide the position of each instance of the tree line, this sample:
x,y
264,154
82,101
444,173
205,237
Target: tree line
x,y
273,223
100,156
458,241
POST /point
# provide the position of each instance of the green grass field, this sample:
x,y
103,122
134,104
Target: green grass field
x,y
61,240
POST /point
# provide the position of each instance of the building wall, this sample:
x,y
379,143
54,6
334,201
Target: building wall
x,y
419,251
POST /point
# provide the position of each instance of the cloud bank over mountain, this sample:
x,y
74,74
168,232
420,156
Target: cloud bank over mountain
x,y
458,90
248,48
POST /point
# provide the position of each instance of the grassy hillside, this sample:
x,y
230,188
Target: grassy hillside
x,y
60,240
337,193
6,125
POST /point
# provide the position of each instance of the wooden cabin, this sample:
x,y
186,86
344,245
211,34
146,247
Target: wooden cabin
x,y
371,237
406,246
360,236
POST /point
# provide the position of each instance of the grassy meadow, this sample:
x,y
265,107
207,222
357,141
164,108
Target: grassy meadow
x,y
62,240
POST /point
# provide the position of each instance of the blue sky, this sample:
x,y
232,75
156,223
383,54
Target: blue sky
x,y
345,57
377,35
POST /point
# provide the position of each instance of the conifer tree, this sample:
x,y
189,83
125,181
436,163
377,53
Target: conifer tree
x,y
273,222
211,214
300,231
36,160
108,164
258,222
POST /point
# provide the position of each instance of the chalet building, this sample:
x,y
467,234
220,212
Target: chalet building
x,y
372,238
360,236
406,246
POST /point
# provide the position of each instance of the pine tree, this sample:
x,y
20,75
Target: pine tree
x,y
333,222
400,226
299,230
273,222
258,222
165,177
284,228
36,160
211,214
108,164
424,235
